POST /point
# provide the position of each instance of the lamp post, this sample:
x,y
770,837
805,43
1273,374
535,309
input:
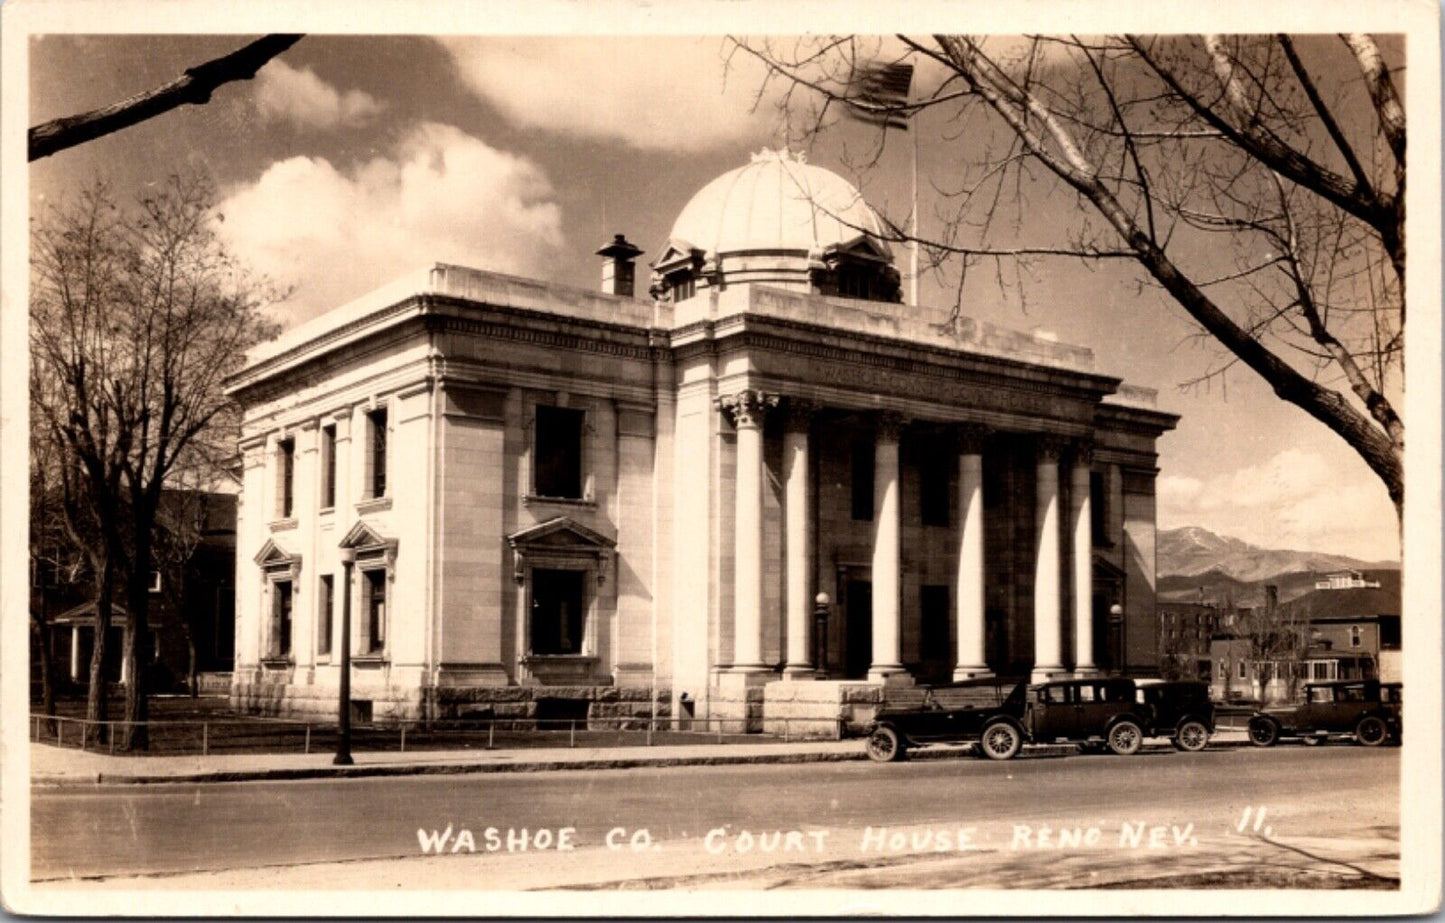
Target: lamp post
x,y
1116,633
820,633
343,707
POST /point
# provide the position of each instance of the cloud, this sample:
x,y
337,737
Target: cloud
x,y
1296,500
682,99
440,196
284,93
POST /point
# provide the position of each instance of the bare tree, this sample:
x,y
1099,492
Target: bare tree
x,y
1258,180
193,87
136,318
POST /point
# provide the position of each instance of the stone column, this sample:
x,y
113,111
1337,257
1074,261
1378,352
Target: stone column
x,y
748,409
887,631
797,492
969,616
1082,522
1048,646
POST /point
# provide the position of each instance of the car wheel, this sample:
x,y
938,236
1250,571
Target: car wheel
x,y
1263,732
1371,731
1193,736
1125,738
1000,741
884,746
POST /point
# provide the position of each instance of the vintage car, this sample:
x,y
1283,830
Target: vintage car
x,y
1087,711
1367,710
1178,710
982,711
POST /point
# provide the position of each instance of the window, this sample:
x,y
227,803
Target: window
x,y
1086,693
373,608
1099,509
1357,635
328,466
933,633
281,619
683,285
324,603
557,611
1224,669
286,451
862,480
933,471
1242,670
376,424
1057,695
557,465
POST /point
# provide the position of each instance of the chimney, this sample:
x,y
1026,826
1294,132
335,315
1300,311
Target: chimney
x,y
617,269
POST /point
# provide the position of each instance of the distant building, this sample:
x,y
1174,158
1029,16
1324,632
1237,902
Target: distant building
x,y
1346,580
1349,628
1185,632
191,600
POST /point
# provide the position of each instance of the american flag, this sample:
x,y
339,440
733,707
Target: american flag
x,y
878,94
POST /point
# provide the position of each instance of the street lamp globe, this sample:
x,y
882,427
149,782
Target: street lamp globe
x,y
822,599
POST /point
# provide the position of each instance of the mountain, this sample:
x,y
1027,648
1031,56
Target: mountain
x,y
1193,552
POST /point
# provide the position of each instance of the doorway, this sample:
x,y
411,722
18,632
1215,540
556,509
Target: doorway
x,y
858,629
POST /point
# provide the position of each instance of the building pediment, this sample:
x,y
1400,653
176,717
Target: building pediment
x,y
560,542
677,254
365,537
1108,571
274,556
863,247
561,532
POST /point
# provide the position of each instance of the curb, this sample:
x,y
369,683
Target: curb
x,y
439,769
283,774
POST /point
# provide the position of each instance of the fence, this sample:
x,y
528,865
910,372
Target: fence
x,y
277,735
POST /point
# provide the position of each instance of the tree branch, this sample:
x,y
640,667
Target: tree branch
x,y
194,87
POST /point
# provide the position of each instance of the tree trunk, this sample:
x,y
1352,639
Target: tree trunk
x,y
135,735
191,662
47,679
96,699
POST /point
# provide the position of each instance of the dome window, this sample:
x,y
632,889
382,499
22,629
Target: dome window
x,y
675,273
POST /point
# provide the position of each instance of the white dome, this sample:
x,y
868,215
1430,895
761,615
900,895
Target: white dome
x,y
776,202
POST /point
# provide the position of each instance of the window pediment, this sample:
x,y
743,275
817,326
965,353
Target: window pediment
x,y
274,557
678,254
368,543
560,542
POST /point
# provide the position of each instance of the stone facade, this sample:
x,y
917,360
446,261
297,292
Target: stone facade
x,y
549,490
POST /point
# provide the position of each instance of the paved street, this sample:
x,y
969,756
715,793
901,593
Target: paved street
x,y
819,824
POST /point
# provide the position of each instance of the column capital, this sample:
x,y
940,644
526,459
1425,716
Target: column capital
x,y
747,408
1049,448
888,425
798,414
1083,452
970,437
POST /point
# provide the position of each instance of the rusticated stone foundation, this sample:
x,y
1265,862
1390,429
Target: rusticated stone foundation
x,y
820,708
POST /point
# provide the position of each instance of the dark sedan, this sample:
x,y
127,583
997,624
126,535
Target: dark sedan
x,y
1367,710
982,711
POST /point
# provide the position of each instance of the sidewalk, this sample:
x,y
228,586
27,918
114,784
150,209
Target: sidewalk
x,y
53,766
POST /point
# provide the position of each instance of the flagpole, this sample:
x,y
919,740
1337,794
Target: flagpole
x,y
913,219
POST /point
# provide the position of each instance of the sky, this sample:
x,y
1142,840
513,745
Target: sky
x,y
350,160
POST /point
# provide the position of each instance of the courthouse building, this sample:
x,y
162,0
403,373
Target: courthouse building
x,y
566,502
